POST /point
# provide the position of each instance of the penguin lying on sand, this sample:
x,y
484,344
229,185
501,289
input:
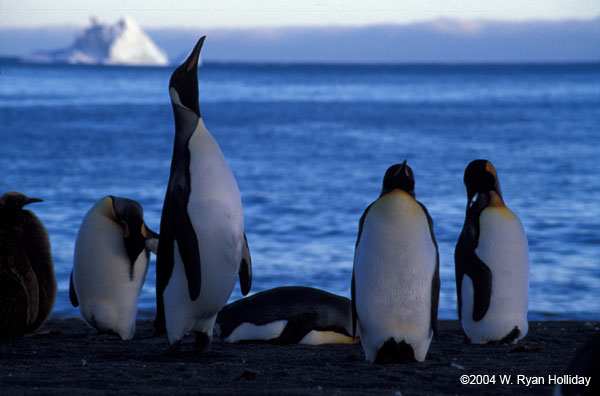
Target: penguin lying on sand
x,y
288,315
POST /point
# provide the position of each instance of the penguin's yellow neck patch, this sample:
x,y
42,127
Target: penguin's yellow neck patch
x,y
399,192
496,200
393,198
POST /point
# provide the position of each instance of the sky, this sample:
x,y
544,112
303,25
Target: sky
x,y
281,13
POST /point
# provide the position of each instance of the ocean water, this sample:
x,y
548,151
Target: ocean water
x,y
309,145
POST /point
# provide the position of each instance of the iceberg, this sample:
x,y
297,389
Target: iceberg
x,y
123,43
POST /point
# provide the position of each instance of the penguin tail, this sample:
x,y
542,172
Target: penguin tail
x,y
510,338
395,352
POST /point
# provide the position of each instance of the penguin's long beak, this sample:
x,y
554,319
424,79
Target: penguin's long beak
x,y
32,200
191,63
183,86
402,169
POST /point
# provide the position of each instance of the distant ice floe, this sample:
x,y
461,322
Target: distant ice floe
x,y
123,43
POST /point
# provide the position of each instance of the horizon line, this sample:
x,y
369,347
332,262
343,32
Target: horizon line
x,y
316,26
582,62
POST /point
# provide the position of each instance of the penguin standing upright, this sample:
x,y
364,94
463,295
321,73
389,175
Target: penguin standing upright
x,y
491,262
395,282
110,262
202,243
27,281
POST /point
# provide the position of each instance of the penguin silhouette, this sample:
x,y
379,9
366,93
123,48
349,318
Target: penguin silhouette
x,y
27,281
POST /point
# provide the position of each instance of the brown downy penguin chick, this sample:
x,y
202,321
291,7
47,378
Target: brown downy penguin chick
x,y
27,281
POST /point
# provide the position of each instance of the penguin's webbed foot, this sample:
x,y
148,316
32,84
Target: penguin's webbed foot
x,y
159,327
202,342
175,348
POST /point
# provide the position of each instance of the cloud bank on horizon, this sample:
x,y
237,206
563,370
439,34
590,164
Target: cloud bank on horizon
x,y
285,13
439,40
326,30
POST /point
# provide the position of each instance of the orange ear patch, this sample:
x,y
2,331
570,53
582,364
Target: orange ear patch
x,y
111,209
490,168
126,228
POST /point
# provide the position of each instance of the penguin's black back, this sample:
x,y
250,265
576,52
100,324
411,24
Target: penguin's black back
x,y
304,306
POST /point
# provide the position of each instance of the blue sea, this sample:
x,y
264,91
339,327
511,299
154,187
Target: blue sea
x,y
309,145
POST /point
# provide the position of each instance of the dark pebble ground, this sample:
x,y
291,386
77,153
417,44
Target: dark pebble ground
x,y
67,357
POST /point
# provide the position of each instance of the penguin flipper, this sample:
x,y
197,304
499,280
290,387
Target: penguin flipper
x,y
481,275
353,300
164,268
435,282
40,259
361,223
72,294
435,298
295,330
30,284
459,272
187,242
245,271
352,286
467,262
15,310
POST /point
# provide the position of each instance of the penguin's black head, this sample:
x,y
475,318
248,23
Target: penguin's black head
x,y
15,200
183,86
130,215
481,177
399,176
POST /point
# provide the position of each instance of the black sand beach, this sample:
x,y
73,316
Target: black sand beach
x,y
66,356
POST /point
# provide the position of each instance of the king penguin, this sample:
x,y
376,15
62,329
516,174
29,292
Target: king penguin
x,y
288,315
491,262
27,281
202,245
112,252
585,365
395,282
